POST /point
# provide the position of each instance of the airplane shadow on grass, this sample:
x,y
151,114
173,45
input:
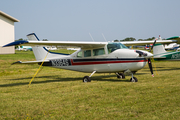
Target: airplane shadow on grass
x,y
164,68
56,78
167,68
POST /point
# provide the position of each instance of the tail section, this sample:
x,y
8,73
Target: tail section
x,y
41,52
158,49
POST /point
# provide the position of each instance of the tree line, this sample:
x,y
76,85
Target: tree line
x,y
133,39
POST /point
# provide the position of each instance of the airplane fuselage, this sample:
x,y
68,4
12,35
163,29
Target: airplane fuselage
x,y
117,61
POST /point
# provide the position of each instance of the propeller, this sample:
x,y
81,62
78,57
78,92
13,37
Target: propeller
x,y
150,66
153,44
149,60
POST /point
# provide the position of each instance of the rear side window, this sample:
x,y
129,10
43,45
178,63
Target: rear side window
x,y
87,53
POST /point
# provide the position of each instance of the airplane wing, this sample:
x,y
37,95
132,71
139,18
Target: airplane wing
x,y
175,38
83,44
35,41
58,43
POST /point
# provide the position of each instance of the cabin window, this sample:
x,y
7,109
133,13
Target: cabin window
x,y
99,51
114,46
87,53
79,54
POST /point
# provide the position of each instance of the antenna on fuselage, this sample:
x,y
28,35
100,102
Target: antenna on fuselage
x,y
104,37
91,36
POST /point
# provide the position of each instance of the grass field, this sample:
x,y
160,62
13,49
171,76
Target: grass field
x,y
61,94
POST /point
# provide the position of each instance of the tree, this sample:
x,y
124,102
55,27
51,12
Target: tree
x,y
44,40
116,40
129,39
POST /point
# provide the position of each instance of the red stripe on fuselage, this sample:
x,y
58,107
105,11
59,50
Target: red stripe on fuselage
x,y
105,62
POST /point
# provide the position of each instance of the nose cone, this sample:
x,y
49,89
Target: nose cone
x,y
145,54
149,55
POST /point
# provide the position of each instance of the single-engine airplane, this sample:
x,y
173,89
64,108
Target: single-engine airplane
x,y
93,57
160,53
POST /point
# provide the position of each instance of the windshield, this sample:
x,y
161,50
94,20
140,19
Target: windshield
x,y
114,46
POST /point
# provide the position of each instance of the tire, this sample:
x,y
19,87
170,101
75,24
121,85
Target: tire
x,y
86,79
134,79
121,75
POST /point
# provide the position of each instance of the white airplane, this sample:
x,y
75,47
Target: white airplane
x,y
24,48
172,46
51,48
93,57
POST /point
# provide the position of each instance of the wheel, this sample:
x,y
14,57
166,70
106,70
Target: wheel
x,y
86,79
134,79
121,75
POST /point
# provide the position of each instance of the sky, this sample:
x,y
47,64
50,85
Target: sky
x,y
98,20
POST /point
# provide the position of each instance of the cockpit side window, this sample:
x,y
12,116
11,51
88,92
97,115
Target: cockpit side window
x,y
114,46
87,53
79,54
99,51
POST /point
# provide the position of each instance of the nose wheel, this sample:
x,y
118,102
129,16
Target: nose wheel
x,y
86,79
133,79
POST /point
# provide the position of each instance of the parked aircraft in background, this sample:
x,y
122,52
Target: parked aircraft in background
x,y
93,57
24,48
172,46
160,53
51,48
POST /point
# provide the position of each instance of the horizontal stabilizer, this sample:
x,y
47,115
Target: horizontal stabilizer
x,y
29,62
156,57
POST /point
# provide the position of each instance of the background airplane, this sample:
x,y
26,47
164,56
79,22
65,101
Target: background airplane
x,y
172,46
160,53
24,48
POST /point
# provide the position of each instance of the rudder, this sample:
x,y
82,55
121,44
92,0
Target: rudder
x,y
41,52
158,49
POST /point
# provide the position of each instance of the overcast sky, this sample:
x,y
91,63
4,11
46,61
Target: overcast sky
x,y
75,20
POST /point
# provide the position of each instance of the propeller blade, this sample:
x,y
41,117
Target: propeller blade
x,y
150,67
153,45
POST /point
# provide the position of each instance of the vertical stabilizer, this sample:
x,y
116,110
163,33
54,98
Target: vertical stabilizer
x,y
41,52
158,49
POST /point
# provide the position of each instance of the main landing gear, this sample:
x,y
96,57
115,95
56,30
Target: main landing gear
x,y
122,76
119,75
87,78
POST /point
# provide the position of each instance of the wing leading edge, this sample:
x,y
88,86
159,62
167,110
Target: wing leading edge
x,y
58,43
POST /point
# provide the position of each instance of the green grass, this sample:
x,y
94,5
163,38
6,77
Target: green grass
x,y
61,94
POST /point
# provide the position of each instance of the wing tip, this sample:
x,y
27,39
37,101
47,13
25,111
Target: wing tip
x,y
16,43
